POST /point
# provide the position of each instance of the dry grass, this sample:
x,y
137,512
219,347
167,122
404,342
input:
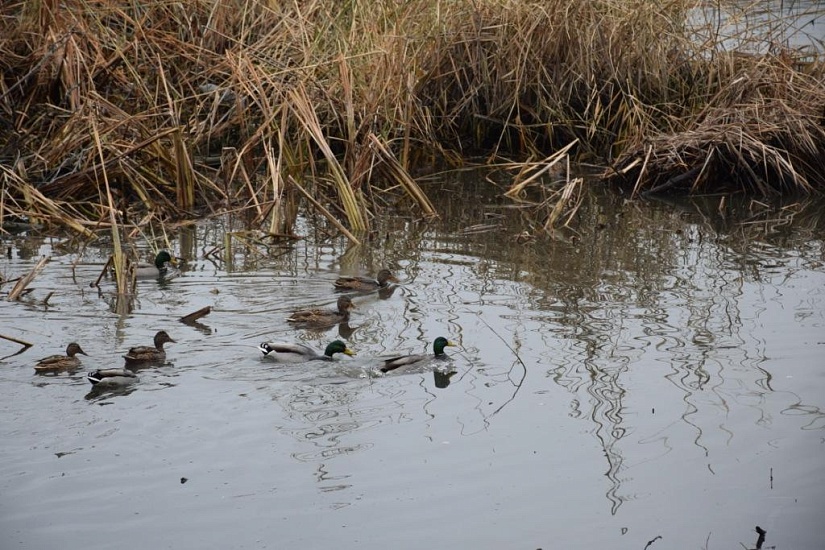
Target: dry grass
x,y
112,109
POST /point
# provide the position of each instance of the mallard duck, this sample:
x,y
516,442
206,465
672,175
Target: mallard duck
x,y
324,317
109,378
381,280
149,354
159,269
298,353
393,363
54,363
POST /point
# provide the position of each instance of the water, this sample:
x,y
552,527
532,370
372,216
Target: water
x,y
761,27
654,372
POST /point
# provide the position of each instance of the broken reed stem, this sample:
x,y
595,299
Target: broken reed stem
x,y
547,164
400,175
118,259
326,213
304,109
24,281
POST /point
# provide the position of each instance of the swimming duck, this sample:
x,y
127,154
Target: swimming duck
x,y
323,317
381,280
160,268
298,353
54,363
149,354
415,359
110,378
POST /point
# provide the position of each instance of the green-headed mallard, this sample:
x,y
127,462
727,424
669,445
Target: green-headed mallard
x,y
159,269
298,353
381,280
149,354
393,363
323,317
54,363
111,378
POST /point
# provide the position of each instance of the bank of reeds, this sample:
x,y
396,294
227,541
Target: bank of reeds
x,y
111,109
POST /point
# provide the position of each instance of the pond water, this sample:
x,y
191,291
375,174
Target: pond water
x,y
653,374
760,27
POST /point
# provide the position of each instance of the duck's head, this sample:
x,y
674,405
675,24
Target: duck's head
x,y
163,257
385,276
345,304
73,349
441,343
161,338
265,348
338,346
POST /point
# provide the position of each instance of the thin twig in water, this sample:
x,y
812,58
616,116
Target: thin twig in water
x,y
515,353
651,541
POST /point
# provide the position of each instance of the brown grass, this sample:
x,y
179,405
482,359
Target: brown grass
x,y
188,109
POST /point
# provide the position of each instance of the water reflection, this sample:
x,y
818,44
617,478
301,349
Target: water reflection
x,y
663,333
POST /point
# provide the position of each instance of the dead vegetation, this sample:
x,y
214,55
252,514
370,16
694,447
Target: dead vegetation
x,y
121,113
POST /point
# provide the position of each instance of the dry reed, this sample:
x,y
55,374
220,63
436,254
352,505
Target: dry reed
x,y
350,97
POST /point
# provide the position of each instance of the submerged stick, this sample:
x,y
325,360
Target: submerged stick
x,y
23,343
195,315
24,281
102,273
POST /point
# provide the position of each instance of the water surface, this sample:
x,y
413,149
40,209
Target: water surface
x,y
655,371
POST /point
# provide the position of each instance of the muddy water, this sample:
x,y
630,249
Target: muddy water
x,y
657,371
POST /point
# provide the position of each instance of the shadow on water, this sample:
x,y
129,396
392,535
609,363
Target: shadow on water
x,y
628,358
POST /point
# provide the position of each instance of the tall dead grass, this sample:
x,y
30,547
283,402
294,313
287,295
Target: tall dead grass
x,y
189,108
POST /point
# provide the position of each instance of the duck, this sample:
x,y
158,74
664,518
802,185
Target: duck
x,y
54,363
159,269
324,317
382,280
111,378
149,354
299,353
398,361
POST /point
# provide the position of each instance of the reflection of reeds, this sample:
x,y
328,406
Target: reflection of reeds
x,y
345,98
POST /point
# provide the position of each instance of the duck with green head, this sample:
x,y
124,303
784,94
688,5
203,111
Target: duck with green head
x,y
56,363
320,318
159,268
299,353
399,361
382,280
149,354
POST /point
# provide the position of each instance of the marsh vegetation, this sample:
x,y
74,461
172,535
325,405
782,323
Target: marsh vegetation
x,y
121,112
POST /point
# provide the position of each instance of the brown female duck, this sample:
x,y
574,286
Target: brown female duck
x,y
148,354
309,318
382,280
55,363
